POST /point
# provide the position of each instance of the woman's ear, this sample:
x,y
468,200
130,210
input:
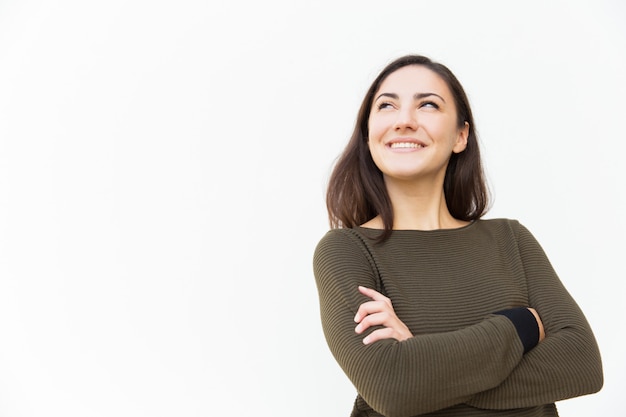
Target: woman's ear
x,y
461,141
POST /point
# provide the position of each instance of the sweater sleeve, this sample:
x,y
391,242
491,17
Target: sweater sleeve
x,y
419,375
567,362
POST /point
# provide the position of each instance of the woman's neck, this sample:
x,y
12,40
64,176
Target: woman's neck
x,y
418,206
423,213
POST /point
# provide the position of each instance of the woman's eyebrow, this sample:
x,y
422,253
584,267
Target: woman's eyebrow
x,y
416,96
391,95
419,96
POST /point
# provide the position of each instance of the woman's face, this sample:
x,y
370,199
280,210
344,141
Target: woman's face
x,y
413,125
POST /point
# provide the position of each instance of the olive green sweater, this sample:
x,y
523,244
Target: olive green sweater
x,y
445,286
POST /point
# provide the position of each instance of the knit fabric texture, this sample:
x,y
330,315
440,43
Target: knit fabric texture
x,y
446,285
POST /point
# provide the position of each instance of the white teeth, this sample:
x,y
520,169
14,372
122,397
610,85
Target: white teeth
x,y
406,145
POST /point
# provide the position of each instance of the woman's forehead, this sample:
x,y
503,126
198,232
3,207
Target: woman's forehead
x,y
414,79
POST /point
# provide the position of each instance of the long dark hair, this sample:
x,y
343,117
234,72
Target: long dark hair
x,y
356,189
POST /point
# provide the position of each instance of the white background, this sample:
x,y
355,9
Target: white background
x,y
162,175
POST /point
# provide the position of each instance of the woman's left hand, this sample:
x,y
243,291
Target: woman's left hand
x,y
379,312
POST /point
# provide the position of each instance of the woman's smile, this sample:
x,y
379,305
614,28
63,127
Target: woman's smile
x,y
405,144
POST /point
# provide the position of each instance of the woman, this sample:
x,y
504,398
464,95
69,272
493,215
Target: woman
x,y
427,308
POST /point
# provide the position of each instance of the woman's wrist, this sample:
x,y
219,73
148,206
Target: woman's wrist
x,y
526,324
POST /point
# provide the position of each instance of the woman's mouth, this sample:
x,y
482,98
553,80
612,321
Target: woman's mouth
x,y
405,145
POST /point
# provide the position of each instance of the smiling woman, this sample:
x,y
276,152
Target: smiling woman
x,y
427,308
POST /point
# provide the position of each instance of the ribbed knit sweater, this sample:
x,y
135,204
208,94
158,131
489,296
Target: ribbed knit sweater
x,y
463,359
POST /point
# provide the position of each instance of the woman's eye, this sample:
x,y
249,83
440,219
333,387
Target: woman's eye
x,y
384,105
430,104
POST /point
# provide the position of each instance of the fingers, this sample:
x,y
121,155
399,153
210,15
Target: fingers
x,y
380,318
388,332
380,334
371,307
368,308
379,312
373,294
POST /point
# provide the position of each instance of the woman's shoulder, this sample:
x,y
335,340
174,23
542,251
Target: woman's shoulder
x,y
341,237
347,242
500,223
509,227
342,248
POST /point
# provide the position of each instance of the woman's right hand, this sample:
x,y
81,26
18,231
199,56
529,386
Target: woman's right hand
x,y
379,312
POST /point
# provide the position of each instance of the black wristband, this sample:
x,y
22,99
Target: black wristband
x,y
526,325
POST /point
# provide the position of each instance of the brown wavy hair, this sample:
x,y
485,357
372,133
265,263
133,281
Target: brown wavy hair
x,y
356,190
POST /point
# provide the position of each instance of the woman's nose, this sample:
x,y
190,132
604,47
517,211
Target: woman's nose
x,y
406,120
